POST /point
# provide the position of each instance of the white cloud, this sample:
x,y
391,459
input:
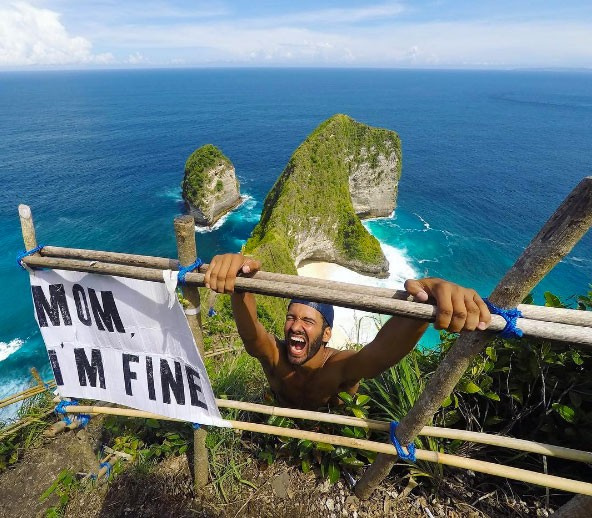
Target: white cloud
x,y
34,36
430,44
344,15
137,58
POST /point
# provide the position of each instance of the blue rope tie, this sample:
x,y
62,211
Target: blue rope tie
x,y
108,466
84,420
24,253
184,270
400,452
510,316
196,426
60,409
212,312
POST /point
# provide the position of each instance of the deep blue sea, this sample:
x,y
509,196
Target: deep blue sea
x,y
99,156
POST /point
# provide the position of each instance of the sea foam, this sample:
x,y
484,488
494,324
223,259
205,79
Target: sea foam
x,y
245,203
354,326
7,348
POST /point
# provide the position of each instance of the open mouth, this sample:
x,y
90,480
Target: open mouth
x,y
297,345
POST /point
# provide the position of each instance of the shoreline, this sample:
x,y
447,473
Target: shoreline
x,y
350,326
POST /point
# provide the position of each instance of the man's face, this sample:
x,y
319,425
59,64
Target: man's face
x,y
304,333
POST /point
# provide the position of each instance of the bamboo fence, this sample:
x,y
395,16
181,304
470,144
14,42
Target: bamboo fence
x,y
549,330
565,227
500,470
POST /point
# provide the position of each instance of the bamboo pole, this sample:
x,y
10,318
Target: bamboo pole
x,y
21,398
26,394
27,227
187,250
384,426
37,377
425,312
9,430
554,241
431,431
489,468
529,311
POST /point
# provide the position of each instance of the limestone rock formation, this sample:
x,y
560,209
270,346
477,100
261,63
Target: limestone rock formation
x,y
210,186
344,170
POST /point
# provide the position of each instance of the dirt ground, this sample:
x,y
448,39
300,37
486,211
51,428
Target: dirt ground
x,y
281,490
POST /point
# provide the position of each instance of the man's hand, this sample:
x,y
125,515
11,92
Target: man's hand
x,y
223,269
458,308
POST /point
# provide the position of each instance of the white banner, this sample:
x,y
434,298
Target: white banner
x,y
122,340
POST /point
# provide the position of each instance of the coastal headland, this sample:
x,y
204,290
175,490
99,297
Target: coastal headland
x,y
342,172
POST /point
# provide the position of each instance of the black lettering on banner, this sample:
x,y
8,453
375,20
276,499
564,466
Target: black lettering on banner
x,y
79,300
55,366
57,304
128,375
150,378
91,369
107,314
168,382
194,387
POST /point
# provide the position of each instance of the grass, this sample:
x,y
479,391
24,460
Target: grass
x,y
35,411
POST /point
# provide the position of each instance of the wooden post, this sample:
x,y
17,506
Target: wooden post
x,y
554,241
187,251
27,226
37,377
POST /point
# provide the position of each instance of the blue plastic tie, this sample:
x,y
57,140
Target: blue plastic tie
x,y
60,409
184,270
212,312
400,452
196,426
108,466
510,316
24,253
84,420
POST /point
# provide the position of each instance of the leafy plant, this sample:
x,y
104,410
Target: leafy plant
x,y
62,486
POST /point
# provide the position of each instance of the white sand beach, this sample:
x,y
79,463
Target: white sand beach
x,y
353,326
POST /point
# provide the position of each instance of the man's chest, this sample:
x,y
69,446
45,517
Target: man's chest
x,y
303,391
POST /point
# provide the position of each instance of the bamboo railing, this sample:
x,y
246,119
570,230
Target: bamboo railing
x,y
563,230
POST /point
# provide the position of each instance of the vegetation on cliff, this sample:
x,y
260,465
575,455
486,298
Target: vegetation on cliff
x,y
308,214
195,181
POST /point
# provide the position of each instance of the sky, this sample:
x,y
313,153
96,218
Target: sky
x,y
56,34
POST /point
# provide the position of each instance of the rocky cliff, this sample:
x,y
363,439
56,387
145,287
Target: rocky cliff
x,y
210,187
344,170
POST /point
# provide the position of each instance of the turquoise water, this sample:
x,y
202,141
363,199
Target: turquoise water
x,y
487,157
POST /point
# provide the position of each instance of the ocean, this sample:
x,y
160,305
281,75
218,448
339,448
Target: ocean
x,y
99,156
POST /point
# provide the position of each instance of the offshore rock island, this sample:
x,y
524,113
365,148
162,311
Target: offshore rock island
x,y
210,187
342,172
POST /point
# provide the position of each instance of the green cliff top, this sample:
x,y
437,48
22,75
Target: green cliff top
x,y
311,197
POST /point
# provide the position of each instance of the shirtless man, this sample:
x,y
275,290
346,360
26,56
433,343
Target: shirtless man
x,y
302,371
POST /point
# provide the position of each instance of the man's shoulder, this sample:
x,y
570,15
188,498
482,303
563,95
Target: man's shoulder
x,y
335,355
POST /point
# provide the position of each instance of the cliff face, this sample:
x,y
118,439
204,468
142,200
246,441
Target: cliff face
x,y
374,182
210,187
342,170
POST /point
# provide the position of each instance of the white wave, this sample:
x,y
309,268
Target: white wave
x,y
426,225
6,349
380,218
353,326
202,230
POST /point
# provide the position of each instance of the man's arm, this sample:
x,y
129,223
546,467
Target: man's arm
x,y
220,277
458,309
